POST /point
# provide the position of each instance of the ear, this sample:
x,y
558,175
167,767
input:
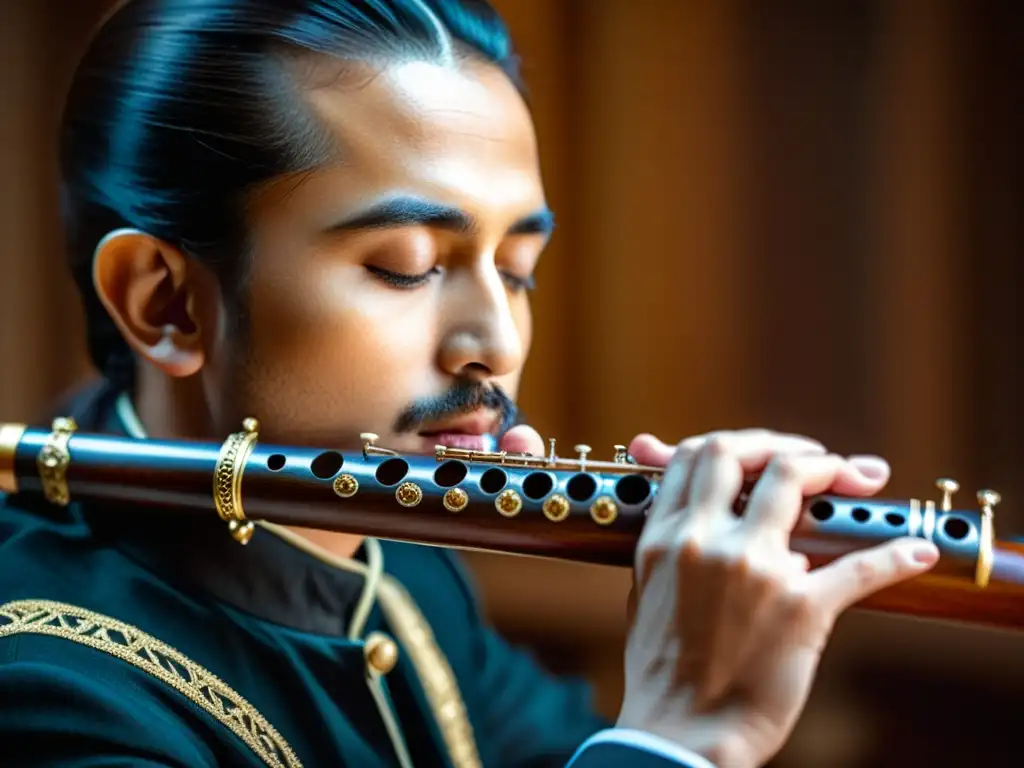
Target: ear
x,y
150,291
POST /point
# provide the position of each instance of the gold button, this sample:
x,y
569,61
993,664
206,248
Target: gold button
x,y
381,653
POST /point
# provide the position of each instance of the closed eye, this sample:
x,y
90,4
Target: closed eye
x,y
515,283
518,284
402,280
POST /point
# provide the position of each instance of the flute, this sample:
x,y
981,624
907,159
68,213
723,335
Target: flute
x,y
574,509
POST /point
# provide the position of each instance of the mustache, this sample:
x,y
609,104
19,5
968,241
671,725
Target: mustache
x,y
463,397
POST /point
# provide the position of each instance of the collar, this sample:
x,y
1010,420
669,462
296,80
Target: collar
x,y
278,576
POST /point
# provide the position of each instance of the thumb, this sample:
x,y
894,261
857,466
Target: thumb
x,y
856,576
649,450
522,439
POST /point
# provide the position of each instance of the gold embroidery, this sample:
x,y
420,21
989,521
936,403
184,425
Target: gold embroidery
x,y
134,646
436,674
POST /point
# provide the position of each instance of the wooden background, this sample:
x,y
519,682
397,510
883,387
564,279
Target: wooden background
x,y
802,215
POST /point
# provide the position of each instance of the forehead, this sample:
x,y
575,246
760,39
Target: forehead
x,y
460,134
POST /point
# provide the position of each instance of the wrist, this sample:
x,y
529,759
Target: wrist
x,y
708,737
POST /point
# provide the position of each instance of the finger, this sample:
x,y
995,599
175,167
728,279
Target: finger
x,y
799,563
718,482
777,497
671,492
752,448
717,478
522,439
648,449
854,577
865,476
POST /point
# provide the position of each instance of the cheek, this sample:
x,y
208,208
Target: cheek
x,y
326,349
524,322
522,316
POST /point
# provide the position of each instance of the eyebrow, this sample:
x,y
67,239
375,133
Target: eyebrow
x,y
412,211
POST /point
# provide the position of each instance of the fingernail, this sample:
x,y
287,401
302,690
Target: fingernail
x,y
872,467
923,553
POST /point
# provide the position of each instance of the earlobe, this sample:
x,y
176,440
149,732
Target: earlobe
x,y
175,354
147,289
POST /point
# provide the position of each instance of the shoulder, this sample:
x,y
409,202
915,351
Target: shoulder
x,y
43,549
66,593
103,689
49,687
51,553
103,656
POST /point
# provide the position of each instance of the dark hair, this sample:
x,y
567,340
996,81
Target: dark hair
x,y
180,108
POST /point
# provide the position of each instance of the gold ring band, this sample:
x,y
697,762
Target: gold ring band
x,y
227,476
53,461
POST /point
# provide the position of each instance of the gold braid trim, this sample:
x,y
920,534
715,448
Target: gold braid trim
x,y
203,688
435,673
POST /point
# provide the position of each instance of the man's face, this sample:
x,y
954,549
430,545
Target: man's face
x,y
382,282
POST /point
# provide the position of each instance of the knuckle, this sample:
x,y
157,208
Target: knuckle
x,y
786,468
733,559
865,572
690,443
688,447
717,446
802,606
710,555
683,545
647,557
652,539
767,575
731,749
690,551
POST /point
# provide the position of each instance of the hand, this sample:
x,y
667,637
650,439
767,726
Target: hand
x,y
729,624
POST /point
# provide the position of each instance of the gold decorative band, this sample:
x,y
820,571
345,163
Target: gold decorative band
x,y
10,436
227,476
53,461
157,659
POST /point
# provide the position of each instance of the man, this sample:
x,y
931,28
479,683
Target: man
x,y
327,214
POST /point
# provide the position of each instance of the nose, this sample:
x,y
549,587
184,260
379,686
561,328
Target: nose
x,y
481,339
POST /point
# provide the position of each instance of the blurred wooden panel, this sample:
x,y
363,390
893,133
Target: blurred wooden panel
x,y
662,329
917,320
23,294
992,39
808,84
41,339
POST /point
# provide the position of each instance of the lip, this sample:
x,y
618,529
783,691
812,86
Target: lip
x,y
477,443
477,424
